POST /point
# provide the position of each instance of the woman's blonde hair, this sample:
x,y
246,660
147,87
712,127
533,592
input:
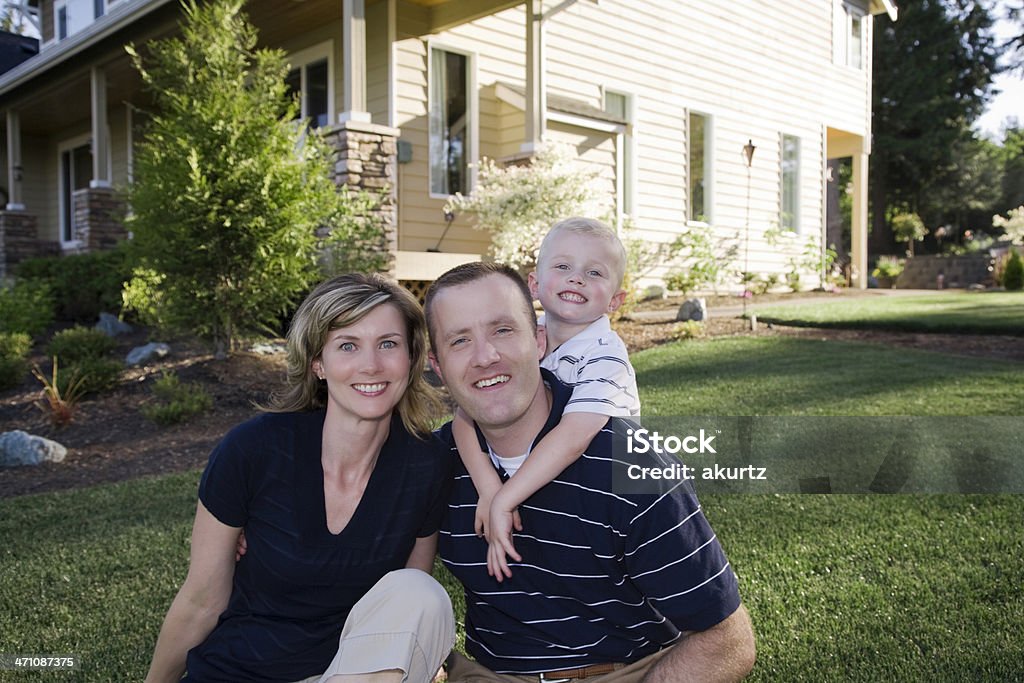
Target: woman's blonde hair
x,y
340,302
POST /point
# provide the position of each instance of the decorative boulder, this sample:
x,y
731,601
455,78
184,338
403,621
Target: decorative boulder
x,y
652,293
111,326
144,354
693,309
21,448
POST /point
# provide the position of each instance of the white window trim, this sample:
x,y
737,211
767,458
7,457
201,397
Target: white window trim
x,y
625,147
474,112
796,228
64,146
709,168
57,4
300,59
844,49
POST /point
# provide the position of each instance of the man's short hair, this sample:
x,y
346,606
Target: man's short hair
x,y
471,272
589,227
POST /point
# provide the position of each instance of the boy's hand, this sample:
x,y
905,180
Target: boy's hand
x,y
486,491
500,543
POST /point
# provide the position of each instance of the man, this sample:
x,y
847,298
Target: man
x,y
612,587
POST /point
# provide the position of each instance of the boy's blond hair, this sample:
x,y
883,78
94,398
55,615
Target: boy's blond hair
x,y
589,227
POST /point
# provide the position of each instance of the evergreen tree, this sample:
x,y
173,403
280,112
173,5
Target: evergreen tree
x,y
229,189
932,73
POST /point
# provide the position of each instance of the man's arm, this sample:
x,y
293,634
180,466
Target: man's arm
x,y
724,652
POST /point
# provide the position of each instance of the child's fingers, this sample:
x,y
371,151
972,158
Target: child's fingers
x,y
517,521
507,548
495,562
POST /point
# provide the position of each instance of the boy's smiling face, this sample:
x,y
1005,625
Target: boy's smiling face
x,y
577,279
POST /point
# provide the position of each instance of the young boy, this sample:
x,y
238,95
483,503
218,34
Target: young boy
x,y
578,281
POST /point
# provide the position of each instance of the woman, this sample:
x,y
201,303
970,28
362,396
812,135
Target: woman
x,y
336,488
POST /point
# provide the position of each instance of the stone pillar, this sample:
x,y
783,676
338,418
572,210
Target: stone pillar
x,y
99,214
19,240
366,158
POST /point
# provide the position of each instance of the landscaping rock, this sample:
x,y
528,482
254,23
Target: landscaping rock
x,y
111,326
21,448
693,309
144,354
263,349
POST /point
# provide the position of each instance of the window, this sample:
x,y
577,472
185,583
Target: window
x,y
855,54
848,32
620,105
75,173
699,167
310,79
62,23
450,129
789,217
71,16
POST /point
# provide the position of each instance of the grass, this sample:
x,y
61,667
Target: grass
x,y
842,587
952,312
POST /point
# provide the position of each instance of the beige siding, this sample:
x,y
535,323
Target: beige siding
x,y
377,57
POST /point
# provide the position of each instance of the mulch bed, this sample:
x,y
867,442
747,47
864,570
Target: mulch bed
x,y
110,440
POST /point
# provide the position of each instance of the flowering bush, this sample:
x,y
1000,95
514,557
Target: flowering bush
x,y
1012,224
519,204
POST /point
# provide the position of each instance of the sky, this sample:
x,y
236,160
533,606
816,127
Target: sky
x,y
1010,102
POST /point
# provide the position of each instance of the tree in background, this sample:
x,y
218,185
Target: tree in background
x,y
229,189
932,73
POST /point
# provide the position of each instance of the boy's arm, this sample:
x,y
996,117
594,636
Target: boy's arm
x,y
559,448
479,466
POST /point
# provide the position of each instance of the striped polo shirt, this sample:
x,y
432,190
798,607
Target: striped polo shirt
x,y
595,363
605,576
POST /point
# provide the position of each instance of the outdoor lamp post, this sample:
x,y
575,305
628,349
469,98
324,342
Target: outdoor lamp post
x,y
748,154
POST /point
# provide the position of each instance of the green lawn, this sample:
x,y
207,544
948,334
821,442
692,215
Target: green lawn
x,y
955,312
841,587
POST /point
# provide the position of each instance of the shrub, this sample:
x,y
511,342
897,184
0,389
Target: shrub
x,y
14,348
83,285
79,343
519,204
688,329
229,192
1013,276
176,402
95,374
889,266
26,307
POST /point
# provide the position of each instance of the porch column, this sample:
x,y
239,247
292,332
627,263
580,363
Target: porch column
x,y
100,143
536,98
353,51
14,168
859,220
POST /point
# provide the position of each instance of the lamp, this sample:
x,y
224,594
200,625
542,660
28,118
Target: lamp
x,y
449,216
748,154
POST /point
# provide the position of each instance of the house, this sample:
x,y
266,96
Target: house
x,y
662,96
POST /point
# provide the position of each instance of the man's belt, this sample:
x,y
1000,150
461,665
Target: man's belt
x,y
563,675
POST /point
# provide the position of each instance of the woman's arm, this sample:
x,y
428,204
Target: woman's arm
x,y
422,555
200,600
